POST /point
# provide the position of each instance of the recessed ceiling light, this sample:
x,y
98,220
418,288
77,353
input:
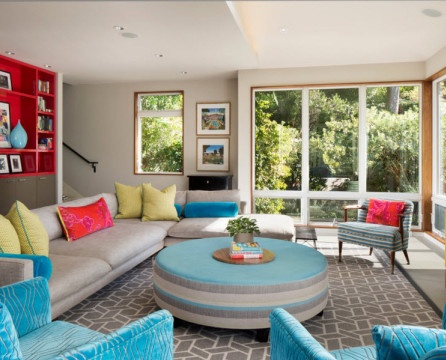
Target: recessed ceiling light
x,y
10,52
129,35
431,12
118,28
184,73
283,29
158,55
48,66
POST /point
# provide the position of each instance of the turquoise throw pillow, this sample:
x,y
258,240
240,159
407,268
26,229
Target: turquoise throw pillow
x,y
179,209
210,209
42,264
9,339
404,342
435,354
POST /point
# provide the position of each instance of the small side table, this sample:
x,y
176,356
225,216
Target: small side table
x,y
306,233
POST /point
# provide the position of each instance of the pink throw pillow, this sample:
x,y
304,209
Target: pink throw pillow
x,y
384,212
83,220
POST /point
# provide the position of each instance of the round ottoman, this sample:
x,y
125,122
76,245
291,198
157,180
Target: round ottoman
x,y
195,287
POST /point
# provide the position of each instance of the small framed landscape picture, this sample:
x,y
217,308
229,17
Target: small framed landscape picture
x,y
5,125
16,163
213,154
4,167
213,119
5,80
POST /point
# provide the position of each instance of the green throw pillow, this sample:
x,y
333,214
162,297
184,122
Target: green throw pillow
x,y
159,204
129,201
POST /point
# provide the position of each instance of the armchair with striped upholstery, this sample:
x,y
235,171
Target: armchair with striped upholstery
x,y
389,238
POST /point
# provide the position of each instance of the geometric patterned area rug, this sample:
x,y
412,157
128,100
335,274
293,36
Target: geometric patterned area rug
x,y
362,293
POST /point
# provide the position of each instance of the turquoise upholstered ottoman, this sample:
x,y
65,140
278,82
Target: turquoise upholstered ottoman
x,y
195,287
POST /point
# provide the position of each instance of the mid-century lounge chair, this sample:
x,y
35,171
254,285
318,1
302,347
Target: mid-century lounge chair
x,y
382,224
27,332
291,341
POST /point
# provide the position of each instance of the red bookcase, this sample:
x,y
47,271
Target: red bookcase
x,y
27,93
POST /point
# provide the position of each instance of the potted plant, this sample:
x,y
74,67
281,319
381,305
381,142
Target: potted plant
x,y
242,229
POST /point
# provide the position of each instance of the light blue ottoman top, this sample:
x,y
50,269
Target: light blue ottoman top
x,y
192,260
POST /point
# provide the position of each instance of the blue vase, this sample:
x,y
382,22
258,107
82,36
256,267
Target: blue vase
x,y
18,137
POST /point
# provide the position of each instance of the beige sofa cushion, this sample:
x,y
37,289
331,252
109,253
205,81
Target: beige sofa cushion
x,y
270,225
114,245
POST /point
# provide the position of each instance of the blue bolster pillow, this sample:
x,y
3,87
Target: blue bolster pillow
x,y
179,209
210,209
42,265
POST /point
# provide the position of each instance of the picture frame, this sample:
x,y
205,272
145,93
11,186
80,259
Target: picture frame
x,y
16,163
213,154
29,162
4,166
5,125
214,118
5,80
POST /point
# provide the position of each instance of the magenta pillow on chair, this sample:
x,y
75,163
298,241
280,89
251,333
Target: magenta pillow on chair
x,y
384,212
83,220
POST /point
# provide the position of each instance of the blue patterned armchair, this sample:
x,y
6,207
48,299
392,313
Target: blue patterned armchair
x,y
291,341
389,238
26,331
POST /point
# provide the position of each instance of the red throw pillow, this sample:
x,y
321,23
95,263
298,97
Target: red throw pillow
x,y
83,220
384,212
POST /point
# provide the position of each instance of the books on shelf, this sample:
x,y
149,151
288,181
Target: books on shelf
x,y
46,144
250,250
45,123
44,86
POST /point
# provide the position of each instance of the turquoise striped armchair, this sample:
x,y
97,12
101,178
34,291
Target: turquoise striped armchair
x,y
27,332
388,238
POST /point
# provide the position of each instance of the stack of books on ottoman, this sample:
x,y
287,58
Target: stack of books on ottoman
x,y
249,250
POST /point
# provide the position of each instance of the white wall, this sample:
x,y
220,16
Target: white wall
x,y
304,76
99,123
436,62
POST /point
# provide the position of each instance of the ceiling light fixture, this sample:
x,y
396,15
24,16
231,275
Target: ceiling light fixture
x,y
48,66
431,12
10,52
158,55
129,35
283,29
184,73
118,28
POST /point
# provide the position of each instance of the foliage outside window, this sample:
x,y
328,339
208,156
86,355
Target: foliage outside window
x,y
389,118
159,133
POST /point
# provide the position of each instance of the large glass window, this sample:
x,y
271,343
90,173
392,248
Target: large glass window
x,y
317,149
159,133
278,145
333,129
393,134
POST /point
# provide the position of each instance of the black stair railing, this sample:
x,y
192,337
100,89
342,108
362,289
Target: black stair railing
x,y
92,163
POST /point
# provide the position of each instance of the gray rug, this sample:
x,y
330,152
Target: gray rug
x,y
362,294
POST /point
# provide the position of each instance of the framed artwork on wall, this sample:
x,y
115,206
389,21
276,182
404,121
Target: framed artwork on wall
x,y
213,118
16,163
5,80
29,162
5,125
4,167
213,154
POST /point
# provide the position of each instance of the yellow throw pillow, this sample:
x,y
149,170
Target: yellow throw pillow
x,y
9,241
159,204
129,201
30,230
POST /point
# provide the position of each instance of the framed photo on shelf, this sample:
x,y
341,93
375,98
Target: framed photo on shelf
x,y
16,163
5,125
213,154
5,80
29,162
4,167
213,119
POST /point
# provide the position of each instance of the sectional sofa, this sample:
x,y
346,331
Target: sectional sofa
x,y
82,267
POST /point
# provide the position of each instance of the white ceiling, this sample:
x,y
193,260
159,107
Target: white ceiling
x,y
214,38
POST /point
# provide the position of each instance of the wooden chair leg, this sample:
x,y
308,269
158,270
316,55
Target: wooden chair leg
x,y
371,251
340,250
407,256
392,262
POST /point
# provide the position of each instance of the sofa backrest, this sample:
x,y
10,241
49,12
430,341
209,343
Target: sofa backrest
x,y
218,195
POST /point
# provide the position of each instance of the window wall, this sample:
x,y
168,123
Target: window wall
x,y
318,149
159,133
439,156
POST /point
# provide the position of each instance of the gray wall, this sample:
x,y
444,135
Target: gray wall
x,y
98,121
